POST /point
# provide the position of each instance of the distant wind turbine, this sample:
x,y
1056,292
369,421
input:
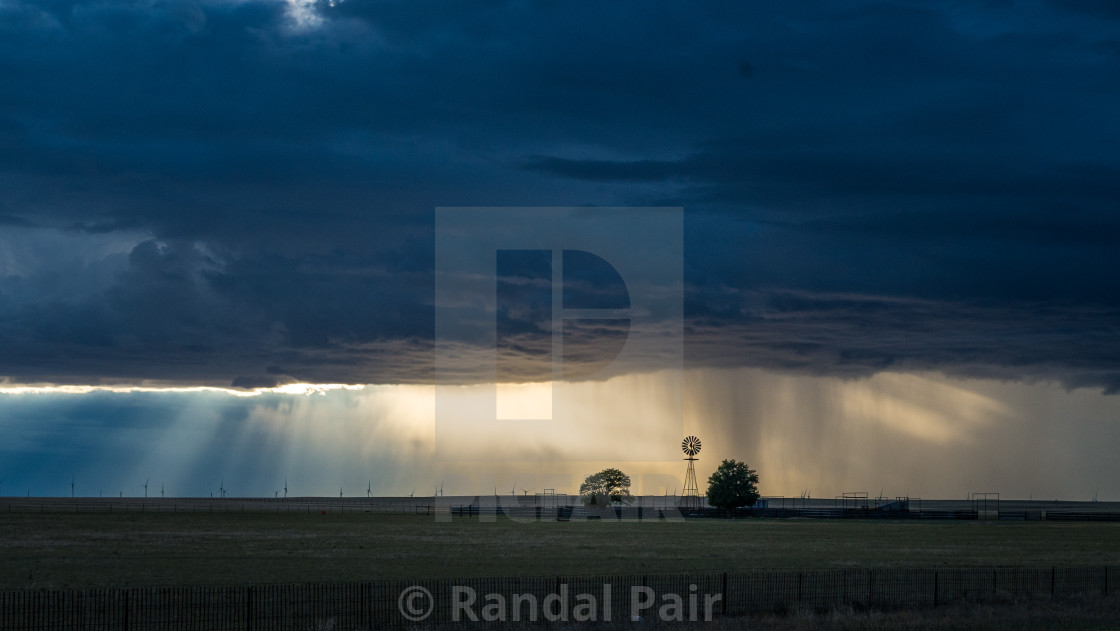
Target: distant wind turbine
x,y
161,489
71,486
340,492
285,487
222,488
369,489
441,488
145,485
412,493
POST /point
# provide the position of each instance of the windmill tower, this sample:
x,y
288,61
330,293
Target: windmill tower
x,y
690,497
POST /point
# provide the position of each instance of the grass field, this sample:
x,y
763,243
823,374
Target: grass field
x,y
142,549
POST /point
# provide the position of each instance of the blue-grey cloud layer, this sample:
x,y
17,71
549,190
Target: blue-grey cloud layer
x,y
206,192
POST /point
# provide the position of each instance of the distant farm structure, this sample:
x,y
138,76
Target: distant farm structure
x,y
550,506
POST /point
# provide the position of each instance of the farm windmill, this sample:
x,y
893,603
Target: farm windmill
x,y
690,498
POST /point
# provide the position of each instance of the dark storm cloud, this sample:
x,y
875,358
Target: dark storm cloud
x,y
857,336
1102,8
9,220
243,191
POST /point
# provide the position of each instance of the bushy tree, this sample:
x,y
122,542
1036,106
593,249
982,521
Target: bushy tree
x,y
733,484
609,484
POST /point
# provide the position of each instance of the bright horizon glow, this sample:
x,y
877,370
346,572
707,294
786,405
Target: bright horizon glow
x,y
524,401
918,434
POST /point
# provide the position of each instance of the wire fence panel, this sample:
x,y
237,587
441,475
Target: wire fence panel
x,y
380,604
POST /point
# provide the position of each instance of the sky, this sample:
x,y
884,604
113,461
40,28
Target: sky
x,y
897,240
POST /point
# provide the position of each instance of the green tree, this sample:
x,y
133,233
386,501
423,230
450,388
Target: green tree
x,y
609,485
733,484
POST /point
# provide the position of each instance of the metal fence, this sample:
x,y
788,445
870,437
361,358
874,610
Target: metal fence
x,y
378,604
530,507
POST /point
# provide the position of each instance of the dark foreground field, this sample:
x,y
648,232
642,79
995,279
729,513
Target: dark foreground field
x,y
152,549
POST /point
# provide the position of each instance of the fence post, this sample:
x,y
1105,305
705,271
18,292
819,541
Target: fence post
x,y
249,607
369,605
870,585
723,603
126,590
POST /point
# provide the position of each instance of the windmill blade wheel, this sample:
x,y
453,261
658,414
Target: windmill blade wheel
x,y
690,445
